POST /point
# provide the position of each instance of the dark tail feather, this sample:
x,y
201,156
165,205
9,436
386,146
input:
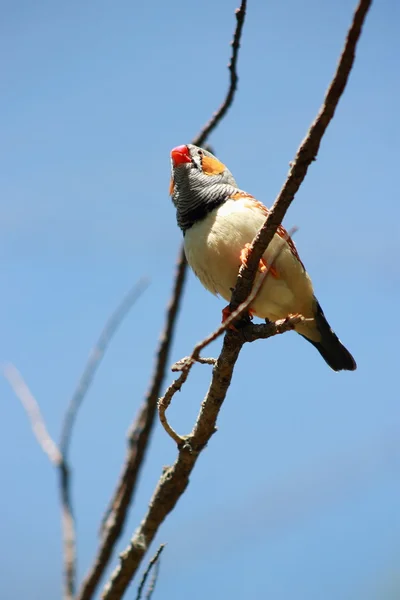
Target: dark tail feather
x,y
330,347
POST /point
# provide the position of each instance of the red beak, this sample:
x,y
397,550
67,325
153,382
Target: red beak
x,y
180,155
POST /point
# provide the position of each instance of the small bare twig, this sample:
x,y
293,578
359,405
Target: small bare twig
x,y
180,364
154,562
174,480
240,14
51,449
252,333
153,581
68,531
32,410
95,357
165,401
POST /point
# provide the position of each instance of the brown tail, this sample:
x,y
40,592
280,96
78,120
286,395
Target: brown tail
x,y
330,347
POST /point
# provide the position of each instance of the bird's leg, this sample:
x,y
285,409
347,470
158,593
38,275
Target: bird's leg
x,y
226,313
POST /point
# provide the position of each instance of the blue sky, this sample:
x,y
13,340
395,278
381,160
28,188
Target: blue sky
x,y
297,495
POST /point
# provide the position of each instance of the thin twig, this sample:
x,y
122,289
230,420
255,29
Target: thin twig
x,y
68,532
51,449
175,479
165,401
95,357
153,580
153,563
140,431
240,14
34,415
180,364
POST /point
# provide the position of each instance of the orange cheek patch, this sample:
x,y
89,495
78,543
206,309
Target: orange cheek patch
x,y
212,166
171,187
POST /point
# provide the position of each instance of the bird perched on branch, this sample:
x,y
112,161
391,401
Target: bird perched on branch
x,y
219,221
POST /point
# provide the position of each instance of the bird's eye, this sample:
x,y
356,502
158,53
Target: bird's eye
x,y
200,152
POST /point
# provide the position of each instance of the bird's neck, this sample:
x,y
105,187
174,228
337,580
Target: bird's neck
x,y
193,205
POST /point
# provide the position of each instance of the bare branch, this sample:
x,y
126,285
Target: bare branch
x,y
68,532
95,357
306,154
50,448
181,363
175,479
140,431
154,562
165,401
240,14
153,581
32,410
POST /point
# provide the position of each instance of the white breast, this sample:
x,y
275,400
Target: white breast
x,y
213,247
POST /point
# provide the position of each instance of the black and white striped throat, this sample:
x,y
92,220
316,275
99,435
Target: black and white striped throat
x,y
193,208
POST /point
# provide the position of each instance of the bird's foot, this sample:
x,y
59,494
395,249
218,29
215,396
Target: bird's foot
x,y
241,322
292,318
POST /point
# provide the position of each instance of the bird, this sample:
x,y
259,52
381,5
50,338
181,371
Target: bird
x,y
219,221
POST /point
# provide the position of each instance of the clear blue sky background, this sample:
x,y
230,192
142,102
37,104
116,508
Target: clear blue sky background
x,y
297,496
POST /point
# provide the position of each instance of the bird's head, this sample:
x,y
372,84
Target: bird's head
x,y
199,183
